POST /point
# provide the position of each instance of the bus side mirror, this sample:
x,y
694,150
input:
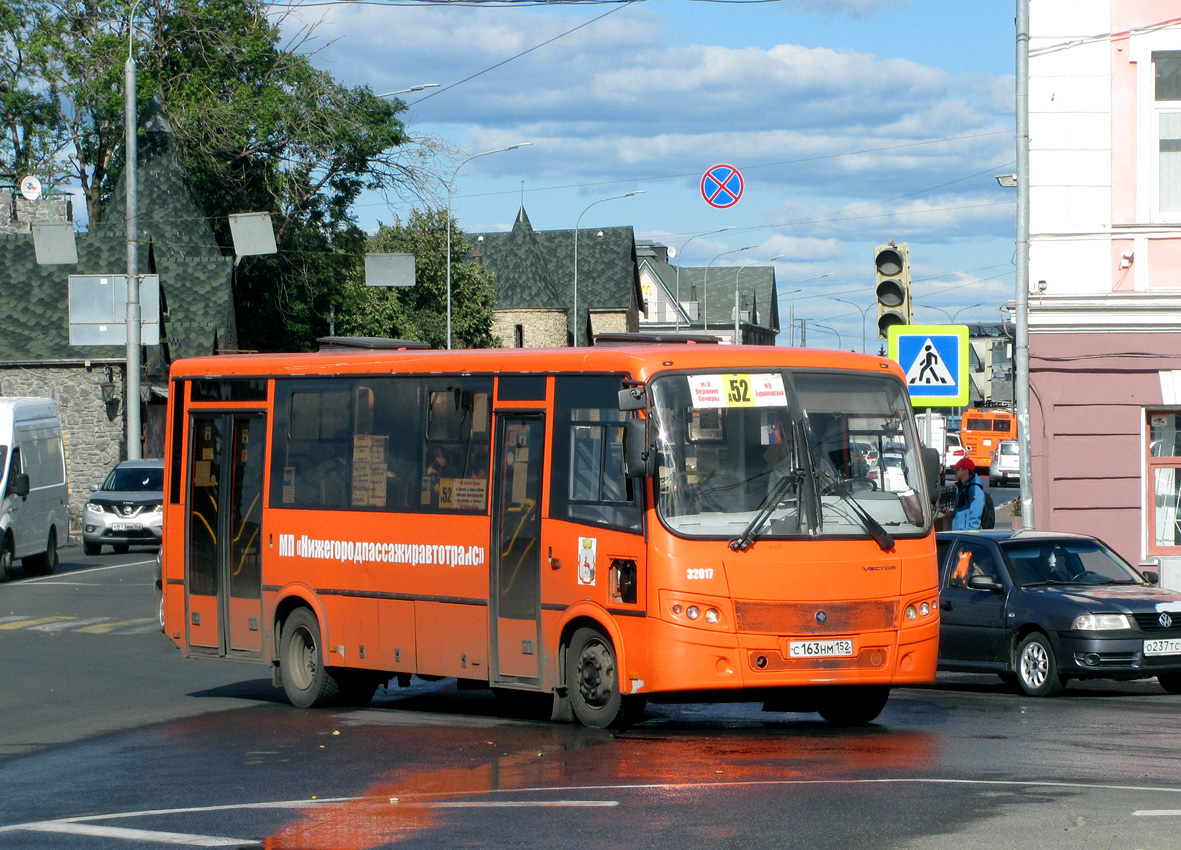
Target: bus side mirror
x,y
639,458
20,485
633,398
932,470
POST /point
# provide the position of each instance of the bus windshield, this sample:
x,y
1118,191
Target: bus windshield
x,y
814,452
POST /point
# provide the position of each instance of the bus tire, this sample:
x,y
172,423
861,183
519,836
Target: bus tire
x,y
855,705
592,682
356,687
301,661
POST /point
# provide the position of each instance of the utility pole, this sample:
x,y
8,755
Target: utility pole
x,y
131,386
1021,347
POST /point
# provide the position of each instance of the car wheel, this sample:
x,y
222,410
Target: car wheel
x,y
121,548
6,559
1037,671
1171,682
45,563
91,548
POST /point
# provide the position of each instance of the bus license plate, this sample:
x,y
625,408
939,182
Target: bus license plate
x,y
127,526
820,648
1171,646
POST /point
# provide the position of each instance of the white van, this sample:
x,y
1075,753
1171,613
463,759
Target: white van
x,y
34,517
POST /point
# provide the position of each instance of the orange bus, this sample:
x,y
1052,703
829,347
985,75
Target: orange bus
x,y
604,525
982,428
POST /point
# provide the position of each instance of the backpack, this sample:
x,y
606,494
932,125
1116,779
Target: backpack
x,y
988,515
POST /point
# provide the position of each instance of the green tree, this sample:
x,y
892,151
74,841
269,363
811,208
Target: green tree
x,y
259,129
419,312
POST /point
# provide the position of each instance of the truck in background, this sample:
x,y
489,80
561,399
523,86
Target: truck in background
x,y
34,518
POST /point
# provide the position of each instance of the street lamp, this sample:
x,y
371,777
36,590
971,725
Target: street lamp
x,y
419,87
705,286
863,310
677,313
950,316
830,330
791,323
450,192
577,224
737,332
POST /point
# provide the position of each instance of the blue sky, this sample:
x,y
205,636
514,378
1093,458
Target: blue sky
x,y
853,122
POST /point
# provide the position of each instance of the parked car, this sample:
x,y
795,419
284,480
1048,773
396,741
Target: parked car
x,y
954,453
1006,462
1040,608
127,510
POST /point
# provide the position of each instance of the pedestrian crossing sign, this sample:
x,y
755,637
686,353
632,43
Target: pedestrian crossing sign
x,y
935,360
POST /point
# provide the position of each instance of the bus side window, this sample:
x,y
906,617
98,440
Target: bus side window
x,y
588,480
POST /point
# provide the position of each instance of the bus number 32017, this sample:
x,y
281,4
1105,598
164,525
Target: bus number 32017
x,y
693,573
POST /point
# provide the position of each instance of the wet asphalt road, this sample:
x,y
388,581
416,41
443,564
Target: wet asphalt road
x,y
111,739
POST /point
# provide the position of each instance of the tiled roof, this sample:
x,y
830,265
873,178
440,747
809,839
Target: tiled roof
x,y
757,285
535,268
175,240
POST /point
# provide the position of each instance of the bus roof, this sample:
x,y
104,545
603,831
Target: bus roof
x,y
639,361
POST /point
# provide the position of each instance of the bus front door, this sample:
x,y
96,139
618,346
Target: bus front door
x,y
224,527
516,571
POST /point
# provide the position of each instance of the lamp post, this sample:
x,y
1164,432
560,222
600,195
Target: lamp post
x,y
830,330
677,313
450,192
419,87
950,316
578,224
863,310
705,286
737,331
791,334
134,311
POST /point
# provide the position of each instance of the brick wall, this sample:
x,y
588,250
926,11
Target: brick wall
x,y
542,328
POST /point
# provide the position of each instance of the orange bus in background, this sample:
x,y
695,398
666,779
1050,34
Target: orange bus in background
x,y
982,428
605,525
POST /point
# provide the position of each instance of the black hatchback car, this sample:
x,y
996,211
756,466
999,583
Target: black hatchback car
x,y
1039,608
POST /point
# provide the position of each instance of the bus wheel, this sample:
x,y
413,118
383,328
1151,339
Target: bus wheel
x,y
856,705
301,662
592,681
6,559
356,686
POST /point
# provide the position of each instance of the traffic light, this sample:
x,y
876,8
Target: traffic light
x,y
892,279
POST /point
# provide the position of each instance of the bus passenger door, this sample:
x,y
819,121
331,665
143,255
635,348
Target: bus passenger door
x,y
515,596
224,527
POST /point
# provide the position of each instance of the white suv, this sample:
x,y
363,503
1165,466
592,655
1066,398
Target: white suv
x,y
1006,462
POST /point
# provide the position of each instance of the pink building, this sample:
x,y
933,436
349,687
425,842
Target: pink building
x,y
1105,273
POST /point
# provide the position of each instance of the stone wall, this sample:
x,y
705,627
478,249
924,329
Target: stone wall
x,y
18,215
92,429
542,328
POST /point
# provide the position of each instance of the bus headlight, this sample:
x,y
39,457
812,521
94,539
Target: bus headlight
x,y
692,612
711,615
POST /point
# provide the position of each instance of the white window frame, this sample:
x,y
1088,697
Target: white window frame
x,y
1148,124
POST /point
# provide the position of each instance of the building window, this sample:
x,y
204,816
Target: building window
x,y
1166,67
1164,482
518,336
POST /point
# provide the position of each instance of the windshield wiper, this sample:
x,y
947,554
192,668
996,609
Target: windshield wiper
x,y
872,527
747,539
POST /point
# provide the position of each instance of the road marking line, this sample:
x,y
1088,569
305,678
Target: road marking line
x,y
517,804
105,628
69,624
139,834
62,578
24,624
1158,813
